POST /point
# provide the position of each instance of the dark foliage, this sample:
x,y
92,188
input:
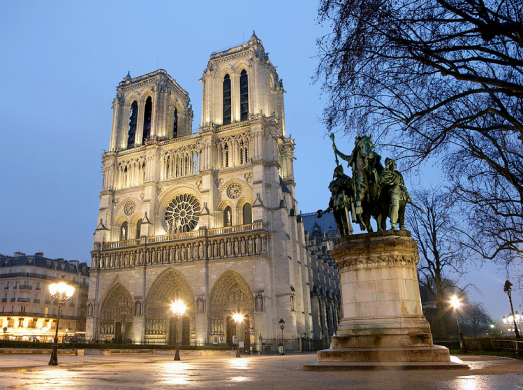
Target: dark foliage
x,y
437,79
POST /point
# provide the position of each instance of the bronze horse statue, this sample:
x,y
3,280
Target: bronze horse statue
x,y
368,198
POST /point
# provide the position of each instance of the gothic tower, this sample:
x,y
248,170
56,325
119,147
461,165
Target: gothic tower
x,y
209,218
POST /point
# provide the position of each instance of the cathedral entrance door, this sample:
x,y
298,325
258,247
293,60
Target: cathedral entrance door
x,y
247,333
118,332
231,330
172,330
186,331
128,331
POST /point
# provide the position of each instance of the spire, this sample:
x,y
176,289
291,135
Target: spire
x,y
254,38
128,77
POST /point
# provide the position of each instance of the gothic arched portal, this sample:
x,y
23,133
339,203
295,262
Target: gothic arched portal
x,y
170,286
231,294
116,314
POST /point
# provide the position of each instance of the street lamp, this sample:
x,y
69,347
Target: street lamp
x,y
60,292
238,318
508,289
178,309
282,326
455,302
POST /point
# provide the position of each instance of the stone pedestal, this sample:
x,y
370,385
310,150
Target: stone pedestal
x,y
383,324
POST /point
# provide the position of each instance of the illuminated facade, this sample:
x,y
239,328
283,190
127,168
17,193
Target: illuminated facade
x,y
26,311
209,217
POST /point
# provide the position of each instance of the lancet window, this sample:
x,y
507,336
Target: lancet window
x,y
226,99
147,118
133,119
175,123
244,96
138,228
244,151
247,214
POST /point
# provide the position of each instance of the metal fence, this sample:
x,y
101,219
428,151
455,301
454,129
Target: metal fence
x,y
267,346
484,344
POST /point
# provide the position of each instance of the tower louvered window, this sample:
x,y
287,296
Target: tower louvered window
x,y
175,125
226,100
147,117
133,118
244,96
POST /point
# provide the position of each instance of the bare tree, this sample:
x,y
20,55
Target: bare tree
x,y
441,255
442,79
477,318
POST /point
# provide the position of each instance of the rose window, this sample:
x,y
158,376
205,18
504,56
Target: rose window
x,y
181,214
129,208
234,191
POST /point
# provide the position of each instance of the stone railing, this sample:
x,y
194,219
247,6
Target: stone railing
x,y
220,243
181,236
236,229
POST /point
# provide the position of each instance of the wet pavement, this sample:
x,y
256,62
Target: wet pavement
x,y
253,372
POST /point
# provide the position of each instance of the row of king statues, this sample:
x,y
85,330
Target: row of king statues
x,y
373,191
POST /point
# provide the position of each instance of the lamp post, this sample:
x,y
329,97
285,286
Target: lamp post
x,y
508,289
238,318
455,302
60,292
282,326
178,309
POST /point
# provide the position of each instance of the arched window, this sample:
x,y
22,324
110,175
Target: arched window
x,y
247,214
147,117
244,96
133,118
138,228
226,99
225,156
123,231
175,125
227,216
244,152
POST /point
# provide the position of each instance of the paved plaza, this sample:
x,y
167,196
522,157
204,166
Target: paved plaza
x,y
253,372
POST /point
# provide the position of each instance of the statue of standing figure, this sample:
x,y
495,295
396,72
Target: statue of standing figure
x,y
340,202
374,191
392,181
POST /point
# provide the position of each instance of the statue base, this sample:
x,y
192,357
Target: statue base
x,y
383,325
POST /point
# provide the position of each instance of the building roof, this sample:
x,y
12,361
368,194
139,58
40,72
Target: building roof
x,y
38,260
284,188
325,224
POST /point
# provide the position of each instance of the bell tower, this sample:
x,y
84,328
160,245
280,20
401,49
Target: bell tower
x,y
240,83
152,106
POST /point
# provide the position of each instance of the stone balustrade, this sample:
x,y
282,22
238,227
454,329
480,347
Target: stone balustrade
x,y
219,243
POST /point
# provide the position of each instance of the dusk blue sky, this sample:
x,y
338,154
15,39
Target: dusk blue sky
x,y
61,62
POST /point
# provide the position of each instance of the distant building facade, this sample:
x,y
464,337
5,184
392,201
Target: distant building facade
x,y
26,310
209,218
320,234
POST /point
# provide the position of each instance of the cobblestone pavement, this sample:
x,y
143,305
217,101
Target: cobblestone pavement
x,y
252,372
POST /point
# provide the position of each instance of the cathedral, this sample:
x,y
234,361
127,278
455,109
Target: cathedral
x,y
209,218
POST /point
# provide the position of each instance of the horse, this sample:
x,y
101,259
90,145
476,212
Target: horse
x,y
366,168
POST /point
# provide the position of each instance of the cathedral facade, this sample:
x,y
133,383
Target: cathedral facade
x,y
209,218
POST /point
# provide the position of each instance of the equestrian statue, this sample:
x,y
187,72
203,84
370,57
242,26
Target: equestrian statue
x,y
374,191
